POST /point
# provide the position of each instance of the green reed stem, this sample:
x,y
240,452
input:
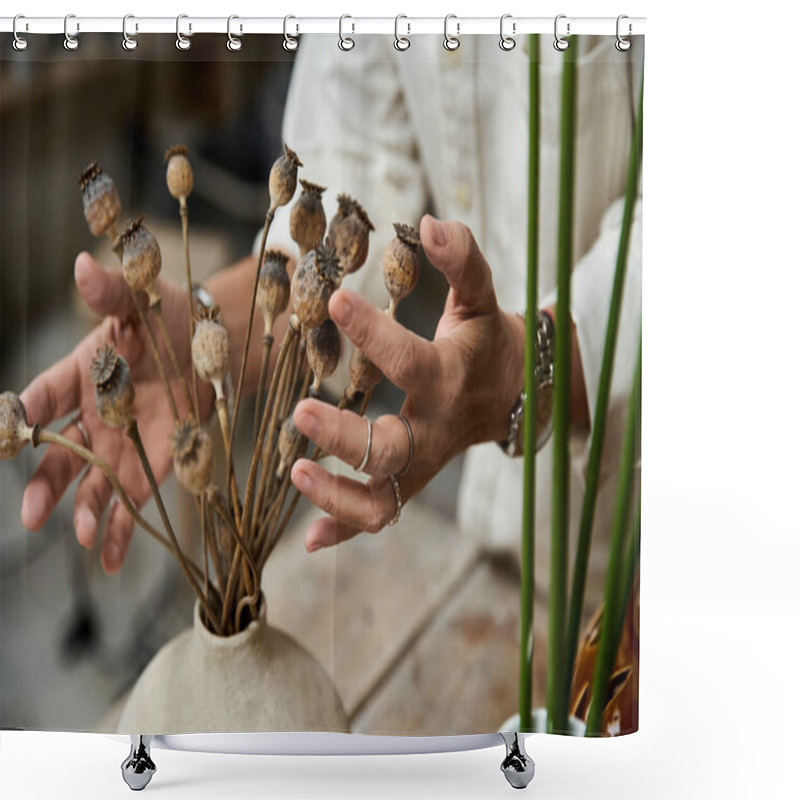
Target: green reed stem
x,y
529,432
556,678
601,405
613,602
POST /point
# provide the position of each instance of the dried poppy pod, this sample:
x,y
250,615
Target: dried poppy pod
x,y
323,348
314,280
211,349
349,231
283,178
113,387
192,457
101,203
401,264
364,375
14,429
307,221
180,177
141,259
272,295
291,446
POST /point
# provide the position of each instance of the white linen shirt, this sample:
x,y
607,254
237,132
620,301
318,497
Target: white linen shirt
x,y
404,132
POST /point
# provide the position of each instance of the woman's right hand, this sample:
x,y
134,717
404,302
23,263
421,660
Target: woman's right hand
x,y
65,389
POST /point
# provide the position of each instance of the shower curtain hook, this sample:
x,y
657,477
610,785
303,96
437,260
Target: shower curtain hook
x,y
182,42
560,42
234,42
401,42
70,42
345,42
623,43
507,42
129,42
19,43
451,42
289,42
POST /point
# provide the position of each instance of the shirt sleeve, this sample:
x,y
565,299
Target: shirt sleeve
x,y
592,281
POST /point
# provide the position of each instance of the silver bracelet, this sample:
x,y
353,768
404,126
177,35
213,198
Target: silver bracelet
x,y
543,374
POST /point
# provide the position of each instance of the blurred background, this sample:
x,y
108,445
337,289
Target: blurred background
x,y
417,626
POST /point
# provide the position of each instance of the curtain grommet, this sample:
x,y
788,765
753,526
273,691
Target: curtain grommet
x,y
234,43
507,42
129,42
183,42
623,43
289,42
559,42
71,42
19,43
346,43
401,43
451,43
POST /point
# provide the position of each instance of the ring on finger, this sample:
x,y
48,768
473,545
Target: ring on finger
x,y
398,500
410,446
360,467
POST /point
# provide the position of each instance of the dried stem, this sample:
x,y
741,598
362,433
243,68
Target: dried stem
x,y
132,431
266,349
187,261
159,315
289,341
216,560
41,435
156,354
140,310
240,386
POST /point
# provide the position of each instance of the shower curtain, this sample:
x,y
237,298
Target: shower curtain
x,y
372,526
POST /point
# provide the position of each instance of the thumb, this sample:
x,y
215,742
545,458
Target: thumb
x,y
452,249
104,291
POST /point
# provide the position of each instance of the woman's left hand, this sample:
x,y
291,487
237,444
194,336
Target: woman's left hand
x,y
460,389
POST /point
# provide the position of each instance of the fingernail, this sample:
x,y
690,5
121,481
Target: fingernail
x,y
85,527
308,424
302,480
343,309
438,232
312,547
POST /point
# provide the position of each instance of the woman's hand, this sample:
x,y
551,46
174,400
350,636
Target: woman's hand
x,y
460,389
66,389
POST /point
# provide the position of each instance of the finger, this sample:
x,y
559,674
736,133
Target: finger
x,y
367,506
54,393
91,499
116,538
407,360
326,531
345,435
104,291
452,249
57,470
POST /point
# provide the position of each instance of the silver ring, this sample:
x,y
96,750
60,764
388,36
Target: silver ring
x,y
182,42
129,42
360,467
560,43
410,446
19,43
345,42
234,42
507,42
451,42
289,42
398,500
401,43
623,43
71,42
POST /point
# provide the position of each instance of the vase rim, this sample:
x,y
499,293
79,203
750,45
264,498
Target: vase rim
x,y
235,639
